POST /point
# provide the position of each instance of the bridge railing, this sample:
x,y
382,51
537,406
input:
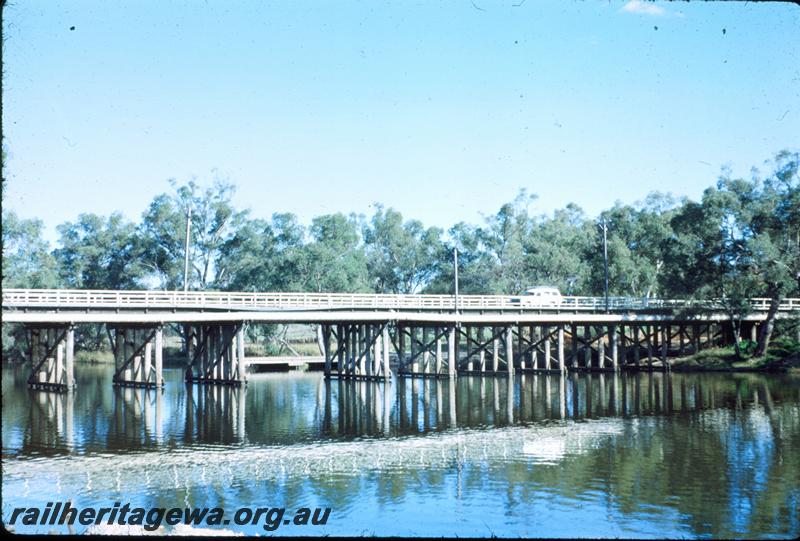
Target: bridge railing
x,y
83,298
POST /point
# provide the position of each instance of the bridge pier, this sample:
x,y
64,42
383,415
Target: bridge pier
x,y
138,356
535,352
362,351
52,349
501,341
216,354
426,351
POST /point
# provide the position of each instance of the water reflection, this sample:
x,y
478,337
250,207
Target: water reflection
x,y
51,422
137,421
215,414
634,455
284,410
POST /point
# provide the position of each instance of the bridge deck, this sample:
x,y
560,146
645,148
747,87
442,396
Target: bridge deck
x,y
287,316
104,306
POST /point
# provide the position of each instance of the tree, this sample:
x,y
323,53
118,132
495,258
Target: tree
x,y
27,261
335,260
741,241
636,240
556,251
99,253
214,221
401,256
505,236
773,209
475,263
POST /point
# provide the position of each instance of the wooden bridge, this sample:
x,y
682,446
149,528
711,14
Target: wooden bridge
x,y
366,336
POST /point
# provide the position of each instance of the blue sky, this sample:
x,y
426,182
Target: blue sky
x,y
443,110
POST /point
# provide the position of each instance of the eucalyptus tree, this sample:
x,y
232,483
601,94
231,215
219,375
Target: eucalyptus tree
x,y
770,221
741,241
556,251
401,256
637,235
28,263
504,237
475,263
263,256
334,260
98,253
214,221
247,258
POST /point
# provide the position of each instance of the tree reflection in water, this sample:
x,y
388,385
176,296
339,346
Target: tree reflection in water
x,y
700,454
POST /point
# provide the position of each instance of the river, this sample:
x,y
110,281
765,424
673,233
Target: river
x,y
601,455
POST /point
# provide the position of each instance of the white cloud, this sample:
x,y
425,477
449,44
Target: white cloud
x,y
643,8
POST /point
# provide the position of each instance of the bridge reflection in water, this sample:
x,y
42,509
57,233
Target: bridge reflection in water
x,y
287,409
543,451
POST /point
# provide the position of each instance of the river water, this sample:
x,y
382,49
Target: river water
x,y
646,455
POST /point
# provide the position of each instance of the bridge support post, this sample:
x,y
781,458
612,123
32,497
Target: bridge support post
x,y
481,353
574,346
587,348
509,351
52,356
561,360
326,347
362,351
387,372
452,360
601,349
547,352
216,352
613,342
495,351
138,356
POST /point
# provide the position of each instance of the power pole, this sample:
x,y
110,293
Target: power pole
x,y
455,268
604,225
186,251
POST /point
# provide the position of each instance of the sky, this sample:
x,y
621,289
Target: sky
x,y
441,110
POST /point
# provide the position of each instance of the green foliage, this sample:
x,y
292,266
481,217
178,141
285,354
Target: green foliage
x,y
741,240
401,256
636,240
214,222
98,253
27,261
334,259
556,251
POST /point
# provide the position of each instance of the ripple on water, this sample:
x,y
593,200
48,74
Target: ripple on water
x,y
199,465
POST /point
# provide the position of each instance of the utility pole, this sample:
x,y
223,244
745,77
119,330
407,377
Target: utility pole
x,y
186,251
455,268
604,225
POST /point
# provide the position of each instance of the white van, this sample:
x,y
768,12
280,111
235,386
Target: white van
x,y
541,296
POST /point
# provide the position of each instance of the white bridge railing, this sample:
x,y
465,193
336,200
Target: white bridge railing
x,y
86,299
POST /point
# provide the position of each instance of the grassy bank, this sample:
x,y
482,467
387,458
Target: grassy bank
x,y
783,355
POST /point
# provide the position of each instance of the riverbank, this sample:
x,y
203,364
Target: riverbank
x,y
782,356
